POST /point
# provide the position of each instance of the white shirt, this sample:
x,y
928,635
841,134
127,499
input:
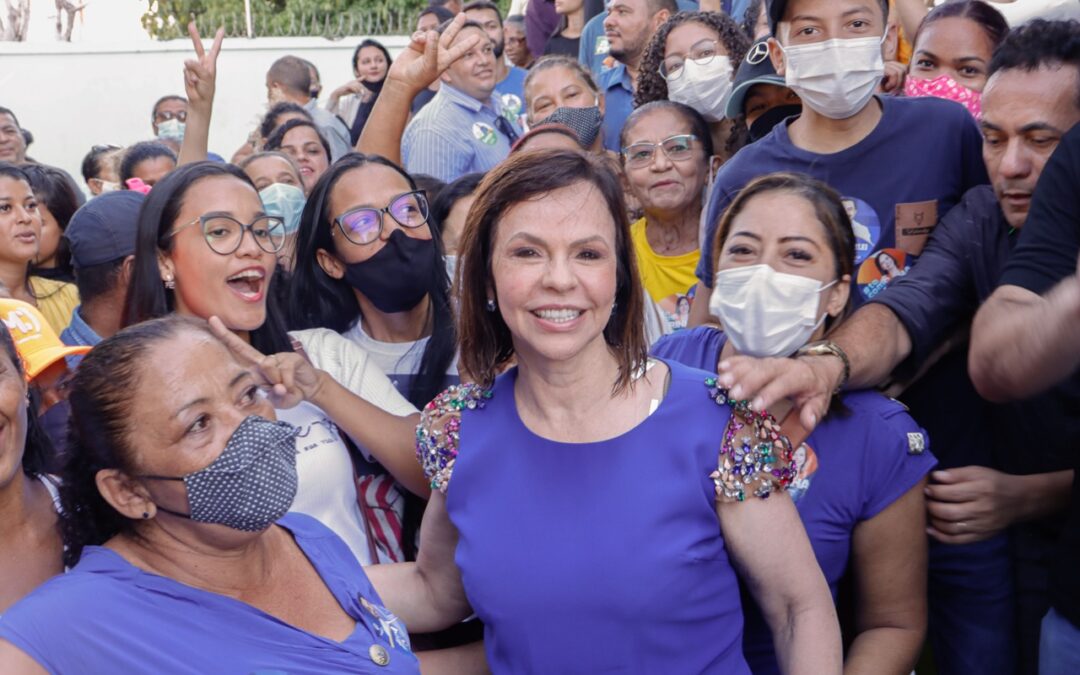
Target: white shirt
x,y
399,360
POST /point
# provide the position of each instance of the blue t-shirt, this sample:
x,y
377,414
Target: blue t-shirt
x,y
618,93
924,154
851,468
108,616
593,48
572,574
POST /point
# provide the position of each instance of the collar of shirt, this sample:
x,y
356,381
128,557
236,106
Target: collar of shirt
x,y
616,76
468,102
79,333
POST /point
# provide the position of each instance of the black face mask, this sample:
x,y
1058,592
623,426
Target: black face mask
x,y
764,124
398,277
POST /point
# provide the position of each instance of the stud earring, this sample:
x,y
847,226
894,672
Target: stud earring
x,y
146,515
490,306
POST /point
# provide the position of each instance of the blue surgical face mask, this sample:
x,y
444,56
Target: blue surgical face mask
x,y
171,130
285,201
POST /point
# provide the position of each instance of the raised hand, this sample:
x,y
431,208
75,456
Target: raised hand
x,y
288,377
200,73
808,382
430,54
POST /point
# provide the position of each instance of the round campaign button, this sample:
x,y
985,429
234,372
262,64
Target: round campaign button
x,y
379,655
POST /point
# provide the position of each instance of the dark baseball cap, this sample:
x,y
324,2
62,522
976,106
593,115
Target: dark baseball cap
x,y
756,68
776,12
104,229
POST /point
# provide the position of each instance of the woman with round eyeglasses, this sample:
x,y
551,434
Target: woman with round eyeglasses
x,y
206,248
665,157
369,265
692,60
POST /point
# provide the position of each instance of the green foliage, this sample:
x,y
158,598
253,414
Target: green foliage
x,y
167,19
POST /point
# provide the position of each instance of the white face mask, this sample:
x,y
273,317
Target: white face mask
x,y
764,312
171,130
704,88
835,78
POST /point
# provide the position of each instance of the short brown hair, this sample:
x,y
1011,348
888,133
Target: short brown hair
x,y
486,343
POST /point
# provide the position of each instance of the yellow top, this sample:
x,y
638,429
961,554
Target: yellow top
x,y
56,300
668,280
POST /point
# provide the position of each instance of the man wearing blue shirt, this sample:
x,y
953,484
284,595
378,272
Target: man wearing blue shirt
x,y
629,26
1031,99
510,80
463,130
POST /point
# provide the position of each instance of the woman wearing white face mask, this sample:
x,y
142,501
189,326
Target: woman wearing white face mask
x,y
692,60
784,258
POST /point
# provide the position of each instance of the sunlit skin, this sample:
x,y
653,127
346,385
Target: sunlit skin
x,y
151,170
303,145
371,65
474,74
556,254
795,244
557,87
665,186
955,46
269,170
233,287
12,143
764,97
1025,114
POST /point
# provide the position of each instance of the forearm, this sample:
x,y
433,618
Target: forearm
x,y
910,13
875,343
1022,344
386,123
390,439
808,641
1042,494
195,147
884,650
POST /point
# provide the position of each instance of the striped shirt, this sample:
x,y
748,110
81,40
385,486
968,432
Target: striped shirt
x,y
454,135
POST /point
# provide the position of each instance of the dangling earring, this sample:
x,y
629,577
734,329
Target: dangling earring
x,y
490,306
170,283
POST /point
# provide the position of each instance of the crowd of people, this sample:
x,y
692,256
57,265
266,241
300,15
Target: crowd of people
x,y
750,322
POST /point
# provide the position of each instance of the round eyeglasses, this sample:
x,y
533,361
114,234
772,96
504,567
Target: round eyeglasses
x,y
676,148
223,234
702,53
364,225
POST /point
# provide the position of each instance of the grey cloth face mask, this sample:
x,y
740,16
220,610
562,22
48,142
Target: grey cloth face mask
x,y
251,485
585,122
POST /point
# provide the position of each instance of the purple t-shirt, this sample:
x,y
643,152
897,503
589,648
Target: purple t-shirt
x,y
598,557
108,616
849,470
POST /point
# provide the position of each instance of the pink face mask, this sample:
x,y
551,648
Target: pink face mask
x,y
945,87
136,185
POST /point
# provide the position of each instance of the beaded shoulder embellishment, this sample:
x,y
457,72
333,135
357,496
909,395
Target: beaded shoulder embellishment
x,y
437,435
755,457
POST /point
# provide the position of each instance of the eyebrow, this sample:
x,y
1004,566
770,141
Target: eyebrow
x,y
1027,128
783,240
532,239
962,59
232,383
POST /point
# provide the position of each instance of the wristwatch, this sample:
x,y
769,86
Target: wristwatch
x,y
828,348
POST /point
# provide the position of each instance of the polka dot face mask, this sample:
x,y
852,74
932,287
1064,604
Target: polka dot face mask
x,y
252,483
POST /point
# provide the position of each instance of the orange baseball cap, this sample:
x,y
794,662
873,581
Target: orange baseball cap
x,y
38,345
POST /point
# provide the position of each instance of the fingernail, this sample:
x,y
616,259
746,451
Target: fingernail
x,y
724,365
813,420
726,381
736,391
758,404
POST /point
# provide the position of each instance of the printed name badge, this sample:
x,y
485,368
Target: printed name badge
x,y
914,222
881,269
865,224
484,133
603,46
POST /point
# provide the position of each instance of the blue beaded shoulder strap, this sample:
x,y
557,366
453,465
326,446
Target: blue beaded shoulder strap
x,y
438,434
756,458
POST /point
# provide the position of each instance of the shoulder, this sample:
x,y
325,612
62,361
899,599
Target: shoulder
x,y
100,576
437,435
329,349
882,417
696,347
978,209
947,116
48,288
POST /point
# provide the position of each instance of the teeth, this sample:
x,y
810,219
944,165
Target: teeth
x,y
247,274
558,315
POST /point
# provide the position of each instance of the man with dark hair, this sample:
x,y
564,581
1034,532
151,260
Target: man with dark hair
x,y
168,118
12,142
289,79
101,236
510,80
452,6
629,26
517,49
1020,482
464,129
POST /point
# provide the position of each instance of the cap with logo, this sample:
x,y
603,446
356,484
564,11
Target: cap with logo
x,y
34,338
756,68
104,229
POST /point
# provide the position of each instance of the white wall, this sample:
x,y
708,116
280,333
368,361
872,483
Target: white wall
x,y
75,96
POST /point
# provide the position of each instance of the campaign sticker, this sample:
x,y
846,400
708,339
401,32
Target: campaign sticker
x,y
865,224
511,106
484,133
881,269
603,46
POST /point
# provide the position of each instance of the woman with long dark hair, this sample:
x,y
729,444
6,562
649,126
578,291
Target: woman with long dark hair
x,y
57,202
353,101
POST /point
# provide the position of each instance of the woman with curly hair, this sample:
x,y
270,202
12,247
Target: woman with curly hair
x,y
691,60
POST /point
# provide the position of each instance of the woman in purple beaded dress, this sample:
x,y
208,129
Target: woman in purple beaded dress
x,y
589,504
